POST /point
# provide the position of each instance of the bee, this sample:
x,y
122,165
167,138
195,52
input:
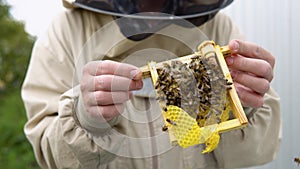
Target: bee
x,y
297,160
228,85
164,128
171,122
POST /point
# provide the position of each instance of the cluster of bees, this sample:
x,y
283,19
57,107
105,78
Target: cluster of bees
x,y
198,87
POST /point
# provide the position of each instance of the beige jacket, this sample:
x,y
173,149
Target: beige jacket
x,y
62,135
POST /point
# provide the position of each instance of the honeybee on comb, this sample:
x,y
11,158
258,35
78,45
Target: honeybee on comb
x,y
212,88
177,86
198,87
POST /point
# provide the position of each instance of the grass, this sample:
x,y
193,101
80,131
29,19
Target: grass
x,y
15,150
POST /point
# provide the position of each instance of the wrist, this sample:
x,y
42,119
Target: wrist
x,y
91,124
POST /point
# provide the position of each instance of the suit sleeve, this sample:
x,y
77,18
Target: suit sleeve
x,y
52,99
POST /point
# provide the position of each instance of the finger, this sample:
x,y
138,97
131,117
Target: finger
x,y
257,67
105,113
116,83
114,68
248,98
251,50
257,84
103,98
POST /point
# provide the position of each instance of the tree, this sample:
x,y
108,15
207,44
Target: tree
x,y
15,49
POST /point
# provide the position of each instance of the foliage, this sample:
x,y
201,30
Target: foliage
x,y
15,150
15,49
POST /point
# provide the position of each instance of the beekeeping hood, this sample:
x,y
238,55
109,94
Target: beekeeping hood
x,y
140,18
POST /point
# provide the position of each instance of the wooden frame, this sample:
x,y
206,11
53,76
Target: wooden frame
x,y
206,48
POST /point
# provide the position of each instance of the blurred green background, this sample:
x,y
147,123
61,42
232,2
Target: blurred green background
x,y
15,49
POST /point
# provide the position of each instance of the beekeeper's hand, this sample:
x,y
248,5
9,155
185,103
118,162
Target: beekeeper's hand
x,y
251,68
105,87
